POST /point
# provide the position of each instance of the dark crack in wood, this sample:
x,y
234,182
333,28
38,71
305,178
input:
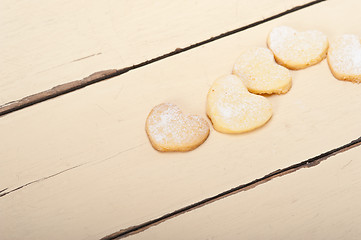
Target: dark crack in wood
x,y
79,59
2,194
3,190
107,74
243,187
58,90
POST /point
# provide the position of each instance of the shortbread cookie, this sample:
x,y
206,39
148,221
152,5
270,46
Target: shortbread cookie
x,y
344,58
232,109
169,129
260,73
297,50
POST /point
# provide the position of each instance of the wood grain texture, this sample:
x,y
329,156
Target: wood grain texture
x,y
44,44
88,168
321,202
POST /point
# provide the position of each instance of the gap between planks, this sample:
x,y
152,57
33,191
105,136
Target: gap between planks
x,y
311,162
107,74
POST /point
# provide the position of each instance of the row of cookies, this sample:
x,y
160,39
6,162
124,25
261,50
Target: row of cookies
x,y
233,105
297,50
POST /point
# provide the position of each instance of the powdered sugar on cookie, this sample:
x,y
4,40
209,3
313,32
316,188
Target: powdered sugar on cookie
x,y
297,50
169,130
344,57
232,109
260,73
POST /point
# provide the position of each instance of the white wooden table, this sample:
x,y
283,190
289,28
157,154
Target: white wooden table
x,y
80,166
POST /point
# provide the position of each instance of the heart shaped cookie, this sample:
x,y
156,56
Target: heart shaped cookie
x,y
169,129
260,73
232,109
344,58
297,50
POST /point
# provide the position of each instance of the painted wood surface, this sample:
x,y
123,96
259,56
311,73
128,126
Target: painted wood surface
x,y
80,166
47,43
321,202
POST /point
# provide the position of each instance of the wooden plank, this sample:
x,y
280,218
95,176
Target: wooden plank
x,y
321,202
47,43
88,169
